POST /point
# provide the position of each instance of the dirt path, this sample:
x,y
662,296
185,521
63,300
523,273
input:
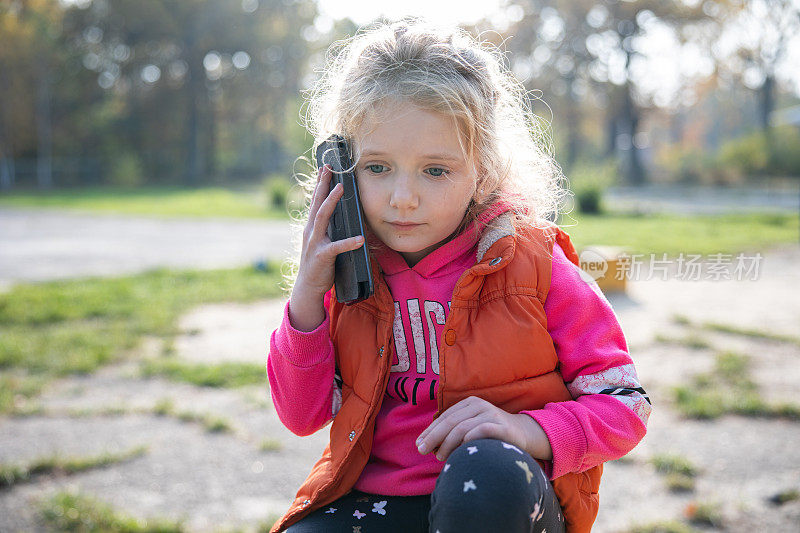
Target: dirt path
x,y
217,481
41,244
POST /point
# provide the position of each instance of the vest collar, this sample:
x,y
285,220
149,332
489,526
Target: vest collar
x,y
500,226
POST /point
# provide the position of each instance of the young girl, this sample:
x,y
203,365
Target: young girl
x,y
483,384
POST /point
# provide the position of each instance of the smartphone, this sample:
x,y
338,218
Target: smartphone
x,y
352,275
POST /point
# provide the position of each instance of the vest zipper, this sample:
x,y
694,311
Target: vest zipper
x,y
336,477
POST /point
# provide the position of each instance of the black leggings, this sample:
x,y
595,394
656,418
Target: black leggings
x,y
486,485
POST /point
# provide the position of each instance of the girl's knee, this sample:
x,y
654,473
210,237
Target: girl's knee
x,y
495,463
489,478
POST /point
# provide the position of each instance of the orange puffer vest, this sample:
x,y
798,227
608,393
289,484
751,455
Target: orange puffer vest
x,y
495,346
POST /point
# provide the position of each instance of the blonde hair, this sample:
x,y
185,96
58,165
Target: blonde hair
x,y
442,69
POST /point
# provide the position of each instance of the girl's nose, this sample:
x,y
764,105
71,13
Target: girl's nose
x,y
404,193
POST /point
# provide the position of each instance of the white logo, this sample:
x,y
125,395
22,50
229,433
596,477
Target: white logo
x,y
593,265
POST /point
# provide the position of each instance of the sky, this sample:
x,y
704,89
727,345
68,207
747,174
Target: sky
x,y
660,76
661,80
453,11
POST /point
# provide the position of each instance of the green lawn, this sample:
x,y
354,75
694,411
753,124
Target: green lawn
x,y
152,201
73,327
690,234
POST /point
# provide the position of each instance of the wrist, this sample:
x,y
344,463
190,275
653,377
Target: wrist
x,y
536,442
306,313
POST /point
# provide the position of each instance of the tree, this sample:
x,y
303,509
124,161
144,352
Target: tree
x,y
582,48
759,34
191,84
29,55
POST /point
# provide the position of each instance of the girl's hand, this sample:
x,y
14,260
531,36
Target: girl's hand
x,y
475,418
318,256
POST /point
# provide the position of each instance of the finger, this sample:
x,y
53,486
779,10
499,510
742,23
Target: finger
x,y
457,436
345,245
443,418
445,424
326,209
482,430
486,430
320,191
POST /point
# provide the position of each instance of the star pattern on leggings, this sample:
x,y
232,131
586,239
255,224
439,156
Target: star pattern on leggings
x,y
469,485
330,510
446,467
538,511
508,446
356,529
358,514
524,466
472,449
379,507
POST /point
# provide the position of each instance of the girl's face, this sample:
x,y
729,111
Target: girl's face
x,y
414,181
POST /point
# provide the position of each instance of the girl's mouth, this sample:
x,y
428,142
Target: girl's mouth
x,y
400,224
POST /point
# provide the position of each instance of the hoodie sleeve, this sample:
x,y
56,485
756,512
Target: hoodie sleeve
x,y
609,411
301,370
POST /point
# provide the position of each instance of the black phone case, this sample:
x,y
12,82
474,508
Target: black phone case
x,y
352,275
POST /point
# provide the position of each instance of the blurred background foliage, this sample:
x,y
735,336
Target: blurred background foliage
x,y
190,93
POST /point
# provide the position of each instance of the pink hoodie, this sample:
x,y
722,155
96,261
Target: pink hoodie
x,y
606,419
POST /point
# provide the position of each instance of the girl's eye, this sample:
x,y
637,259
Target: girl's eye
x,y
375,169
438,172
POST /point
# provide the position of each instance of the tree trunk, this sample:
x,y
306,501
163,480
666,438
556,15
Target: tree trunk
x,y
211,139
767,105
194,88
44,130
611,135
7,177
634,170
573,123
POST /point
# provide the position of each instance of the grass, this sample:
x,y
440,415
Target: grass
x,y
730,329
164,407
151,201
751,333
73,512
58,328
693,341
18,390
679,472
671,526
112,410
213,424
687,234
681,320
728,390
11,475
785,496
206,375
271,445
673,464
704,514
